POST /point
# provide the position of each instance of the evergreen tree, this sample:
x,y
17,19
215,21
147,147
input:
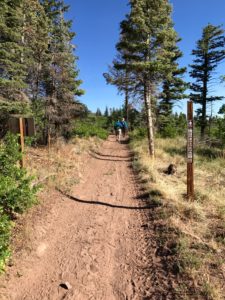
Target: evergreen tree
x,y
37,62
36,41
12,67
121,78
209,53
98,112
60,82
173,88
147,34
106,113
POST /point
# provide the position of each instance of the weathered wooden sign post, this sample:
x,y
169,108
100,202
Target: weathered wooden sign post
x,y
23,127
21,141
190,152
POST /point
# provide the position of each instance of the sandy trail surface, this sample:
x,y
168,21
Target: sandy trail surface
x,y
92,239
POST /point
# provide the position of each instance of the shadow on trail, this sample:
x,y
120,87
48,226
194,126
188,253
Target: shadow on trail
x,y
126,141
108,159
111,155
112,139
104,203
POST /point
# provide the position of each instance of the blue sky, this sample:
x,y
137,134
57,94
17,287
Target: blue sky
x,y
96,23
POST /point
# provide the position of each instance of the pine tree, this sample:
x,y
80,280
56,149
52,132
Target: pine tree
x,y
173,88
35,37
36,41
60,83
106,113
12,67
98,112
209,53
147,35
121,78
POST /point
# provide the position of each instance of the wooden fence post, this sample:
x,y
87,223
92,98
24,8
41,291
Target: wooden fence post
x,y
21,141
190,152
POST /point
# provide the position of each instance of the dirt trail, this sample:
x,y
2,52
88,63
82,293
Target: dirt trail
x,y
94,240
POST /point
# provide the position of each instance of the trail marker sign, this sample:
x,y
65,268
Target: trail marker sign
x,y
190,151
24,127
28,125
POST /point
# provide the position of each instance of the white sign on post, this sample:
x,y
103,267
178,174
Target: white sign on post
x,y
190,142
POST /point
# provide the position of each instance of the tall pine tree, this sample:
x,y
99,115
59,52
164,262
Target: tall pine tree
x,y
147,34
37,62
173,88
36,41
12,68
61,81
122,79
209,53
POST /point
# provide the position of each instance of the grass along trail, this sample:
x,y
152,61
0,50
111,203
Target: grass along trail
x,y
91,236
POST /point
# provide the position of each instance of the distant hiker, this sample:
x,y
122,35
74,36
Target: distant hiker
x,y
124,127
118,130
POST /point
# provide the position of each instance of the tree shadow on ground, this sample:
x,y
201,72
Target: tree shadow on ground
x,y
211,153
204,152
109,159
175,151
90,202
111,155
124,142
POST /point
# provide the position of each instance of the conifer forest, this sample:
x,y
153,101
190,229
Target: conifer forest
x,y
100,200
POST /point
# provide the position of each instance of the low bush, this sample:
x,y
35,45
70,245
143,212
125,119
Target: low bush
x,y
5,229
138,133
91,126
16,191
171,126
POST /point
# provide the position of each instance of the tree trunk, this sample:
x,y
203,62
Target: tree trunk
x,y
126,95
203,124
211,119
126,105
148,108
204,100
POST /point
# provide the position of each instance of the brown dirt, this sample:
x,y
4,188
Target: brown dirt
x,y
94,238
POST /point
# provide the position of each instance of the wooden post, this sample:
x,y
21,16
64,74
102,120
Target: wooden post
x,y
21,141
49,140
190,152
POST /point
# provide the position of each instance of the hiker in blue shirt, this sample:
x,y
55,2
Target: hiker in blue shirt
x,y
118,129
124,127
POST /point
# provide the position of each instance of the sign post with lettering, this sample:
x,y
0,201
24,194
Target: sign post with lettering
x,y
190,152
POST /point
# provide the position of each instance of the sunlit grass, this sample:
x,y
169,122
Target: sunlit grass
x,y
201,221
62,164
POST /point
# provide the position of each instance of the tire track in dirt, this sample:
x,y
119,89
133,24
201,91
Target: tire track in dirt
x,y
93,240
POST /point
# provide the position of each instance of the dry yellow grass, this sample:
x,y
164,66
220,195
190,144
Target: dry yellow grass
x,y
61,165
201,223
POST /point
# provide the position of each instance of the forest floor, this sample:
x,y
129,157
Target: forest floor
x,y
92,239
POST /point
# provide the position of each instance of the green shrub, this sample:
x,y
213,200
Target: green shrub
x,y
172,125
16,191
92,126
169,131
138,133
5,229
